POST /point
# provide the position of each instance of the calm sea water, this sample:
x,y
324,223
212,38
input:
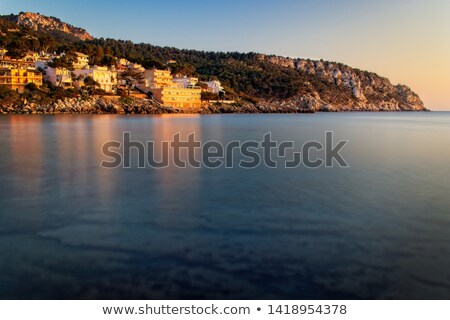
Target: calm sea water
x,y
70,229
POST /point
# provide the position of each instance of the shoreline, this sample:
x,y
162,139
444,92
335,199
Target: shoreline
x,y
132,106
201,112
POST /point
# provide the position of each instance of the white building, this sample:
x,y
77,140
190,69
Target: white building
x,y
106,78
214,86
60,77
81,61
186,82
135,67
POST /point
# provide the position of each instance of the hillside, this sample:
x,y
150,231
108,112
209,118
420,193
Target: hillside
x,y
51,25
257,78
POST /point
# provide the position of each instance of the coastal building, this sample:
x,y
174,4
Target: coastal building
x,y
177,97
122,64
186,82
214,86
158,78
60,77
17,78
8,62
106,78
81,61
135,67
47,57
169,92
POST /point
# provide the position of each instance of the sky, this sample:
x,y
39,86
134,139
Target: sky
x,y
407,41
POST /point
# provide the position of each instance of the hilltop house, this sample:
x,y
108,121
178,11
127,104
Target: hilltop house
x,y
81,61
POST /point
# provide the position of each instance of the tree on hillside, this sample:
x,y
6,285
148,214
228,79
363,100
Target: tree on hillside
x,y
206,95
152,64
91,84
131,78
46,43
8,96
108,60
66,61
31,87
183,69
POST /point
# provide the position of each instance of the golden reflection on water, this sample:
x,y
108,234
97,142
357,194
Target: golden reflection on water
x,y
27,167
71,224
163,129
103,130
72,143
69,149
26,146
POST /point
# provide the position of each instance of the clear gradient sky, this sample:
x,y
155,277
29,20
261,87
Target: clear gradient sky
x,y
407,41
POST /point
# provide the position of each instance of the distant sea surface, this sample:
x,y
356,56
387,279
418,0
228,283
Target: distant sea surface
x,y
70,229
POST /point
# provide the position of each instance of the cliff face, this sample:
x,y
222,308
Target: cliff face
x,y
39,22
366,91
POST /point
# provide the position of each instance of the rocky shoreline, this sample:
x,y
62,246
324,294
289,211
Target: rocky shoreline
x,y
100,105
139,106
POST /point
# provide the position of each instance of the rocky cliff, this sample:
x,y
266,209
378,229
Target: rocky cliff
x,y
40,22
356,89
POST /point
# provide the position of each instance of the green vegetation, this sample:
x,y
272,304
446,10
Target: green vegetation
x,y
209,96
243,74
65,61
131,78
45,95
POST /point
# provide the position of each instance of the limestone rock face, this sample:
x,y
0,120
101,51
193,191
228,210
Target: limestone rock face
x,y
368,91
285,62
37,22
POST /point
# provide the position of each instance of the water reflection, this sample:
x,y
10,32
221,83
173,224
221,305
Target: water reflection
x,y
168,180
71,229
26,138
24,170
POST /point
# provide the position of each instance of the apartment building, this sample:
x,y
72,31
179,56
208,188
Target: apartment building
x,y
16,78
106,78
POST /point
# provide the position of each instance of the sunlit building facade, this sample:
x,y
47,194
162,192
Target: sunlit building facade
x,y
177,97
81,61
17,78
171,93
106,78
60,77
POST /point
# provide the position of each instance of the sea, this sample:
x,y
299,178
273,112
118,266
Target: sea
x,y
376,228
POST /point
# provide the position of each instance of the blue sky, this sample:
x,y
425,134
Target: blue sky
x,y
406,41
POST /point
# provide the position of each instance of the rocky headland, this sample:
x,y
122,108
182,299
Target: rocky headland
x,y
348,89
